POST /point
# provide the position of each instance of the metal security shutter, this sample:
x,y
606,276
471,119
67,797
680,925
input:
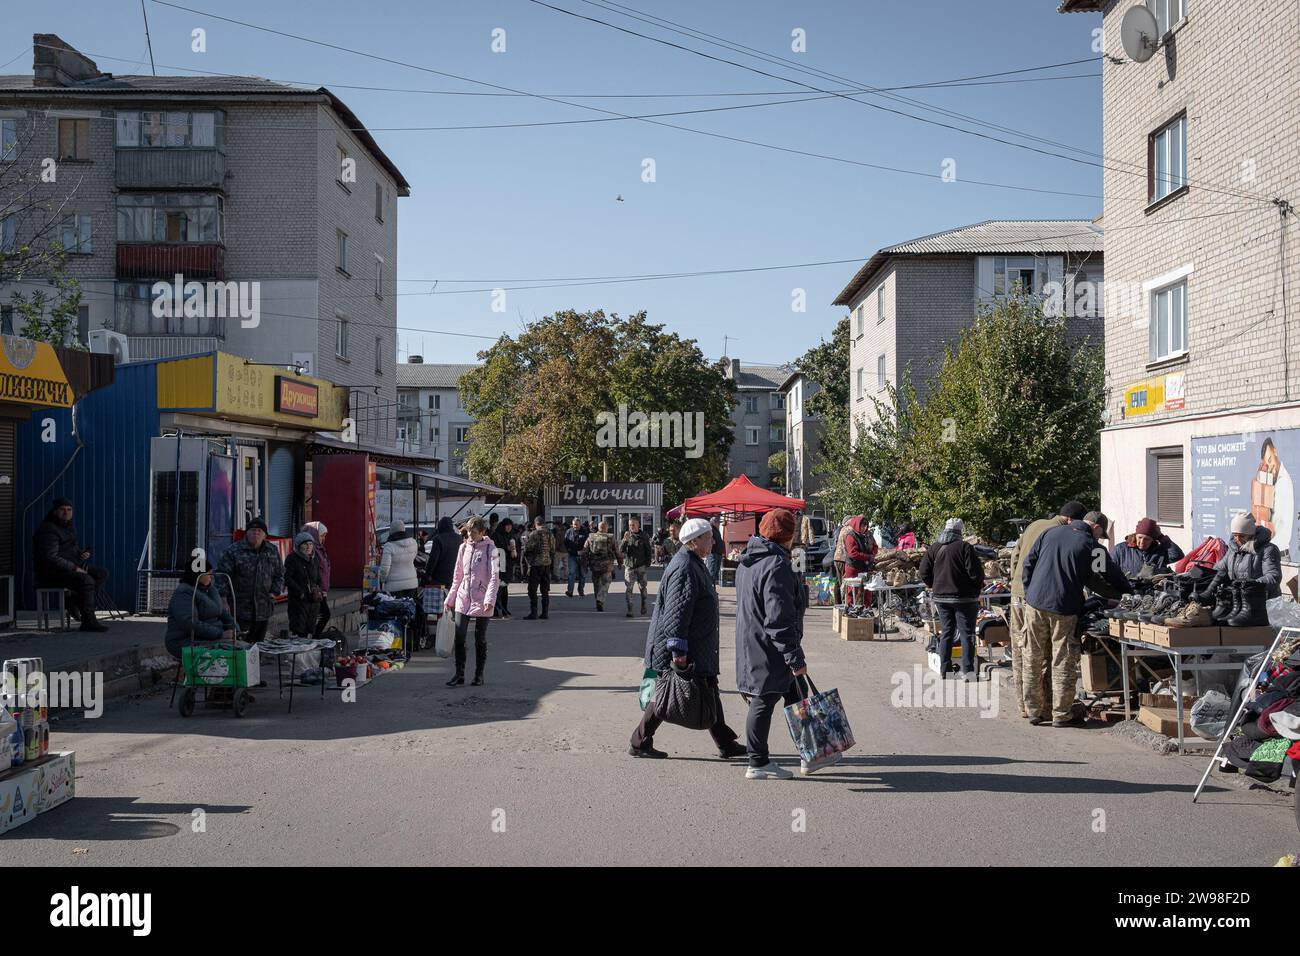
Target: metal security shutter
x,y
1169,489
279,492
175,519
8,465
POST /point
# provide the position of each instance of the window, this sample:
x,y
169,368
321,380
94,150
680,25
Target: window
x,y
342,263
1165,485
435,402
341,337
860,313
379,277
462,434
76,234
74,139
8,140
862,383
795,395
8,233
437,434
172,130
751,404
170,217
346,169
751,435
880,305
379,356
881,381
379,202
1169,321
1025,274
1167,13
778,401
1167,160
776,434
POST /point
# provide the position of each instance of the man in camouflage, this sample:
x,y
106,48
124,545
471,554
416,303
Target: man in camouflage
x,y
602,554
539,548
256,574
637,555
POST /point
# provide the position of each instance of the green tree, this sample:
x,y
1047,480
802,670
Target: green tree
x,y
50,317
776,465
537,398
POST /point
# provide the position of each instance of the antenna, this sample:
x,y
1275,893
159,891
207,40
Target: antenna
x,y
1139,33
147,39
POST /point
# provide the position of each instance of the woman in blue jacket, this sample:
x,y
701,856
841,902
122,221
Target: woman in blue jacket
x,y
197,613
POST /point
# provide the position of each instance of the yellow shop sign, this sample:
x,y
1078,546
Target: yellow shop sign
x,y
31,374
1144,397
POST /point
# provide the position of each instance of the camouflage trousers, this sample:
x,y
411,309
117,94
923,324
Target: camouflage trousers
x,y
600,584
1019,641
1050,645
635,576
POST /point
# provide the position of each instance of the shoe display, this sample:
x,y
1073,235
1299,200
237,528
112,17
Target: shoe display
x,y
1252,610
1189,614
769,772
1227,602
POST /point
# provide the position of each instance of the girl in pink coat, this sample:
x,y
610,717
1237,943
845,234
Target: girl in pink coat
x,y
473,594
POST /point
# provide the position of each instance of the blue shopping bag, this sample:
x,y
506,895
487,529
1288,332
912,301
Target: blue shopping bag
x,y
818,726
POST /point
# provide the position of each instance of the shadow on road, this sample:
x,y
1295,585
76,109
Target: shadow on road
x,y
119,818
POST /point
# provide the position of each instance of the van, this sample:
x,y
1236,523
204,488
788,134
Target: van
x,y
516,513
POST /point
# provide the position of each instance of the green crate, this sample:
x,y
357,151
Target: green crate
x,y
220,667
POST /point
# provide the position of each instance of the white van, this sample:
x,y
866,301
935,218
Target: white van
x,y
516,513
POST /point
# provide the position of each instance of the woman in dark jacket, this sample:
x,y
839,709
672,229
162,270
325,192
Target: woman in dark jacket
x,y
955,576
321,557
769,631
684,633
508,552
197,613
1146,547
302,580
443,548
1246,577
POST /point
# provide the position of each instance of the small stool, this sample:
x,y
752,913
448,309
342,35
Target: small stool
x,y
47,600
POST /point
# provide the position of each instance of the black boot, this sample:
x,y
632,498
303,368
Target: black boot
x,y
1227,602
458,679
1252,610
643,605
480,659
532,610
546,607
600,605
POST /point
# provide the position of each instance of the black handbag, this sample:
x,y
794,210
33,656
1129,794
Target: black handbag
x,y
683,699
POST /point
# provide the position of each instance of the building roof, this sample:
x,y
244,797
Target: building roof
x,y
430,374
1080,6
993,236
765,377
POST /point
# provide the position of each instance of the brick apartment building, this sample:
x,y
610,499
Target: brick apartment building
x,y
757,421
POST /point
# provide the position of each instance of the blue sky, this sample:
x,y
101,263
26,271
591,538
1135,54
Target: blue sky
x,y
503,205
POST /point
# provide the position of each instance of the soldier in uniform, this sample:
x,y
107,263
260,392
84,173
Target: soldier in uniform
x,y
602,554
539,549
256,574
637,555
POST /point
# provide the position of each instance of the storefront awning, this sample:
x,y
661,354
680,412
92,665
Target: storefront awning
x,y
425,467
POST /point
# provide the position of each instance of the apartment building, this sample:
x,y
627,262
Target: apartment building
x,y
430,417
1200,182
802,437
757,421
275,193
909,302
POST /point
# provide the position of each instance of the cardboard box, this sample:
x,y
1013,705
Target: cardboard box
x,y
1163,636
1101,674
33,788
1116,628
858,628
1247,636
221,667
997,634
1164,720
837,617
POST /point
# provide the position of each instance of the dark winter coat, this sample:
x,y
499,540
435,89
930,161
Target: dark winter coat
x,y
719,546
952,570
637,552
55,549
1159,559
770,606
320,557
257,577
1060,565
443,548
574,540
301,576
685,617
859,546
1259,560
198,614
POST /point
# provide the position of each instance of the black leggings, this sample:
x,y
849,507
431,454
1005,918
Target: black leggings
x,y
480,641
759,721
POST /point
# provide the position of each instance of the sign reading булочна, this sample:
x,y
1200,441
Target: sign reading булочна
x,y
601,493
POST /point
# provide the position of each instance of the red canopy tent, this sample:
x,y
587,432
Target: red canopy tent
x,y
740,497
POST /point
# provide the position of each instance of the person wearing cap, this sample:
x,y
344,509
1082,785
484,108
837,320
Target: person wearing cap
x,y
683,633
770,604
321,558
1019,632
954,574
1146,552
302,581
61,562
1062,562
196,614
254,573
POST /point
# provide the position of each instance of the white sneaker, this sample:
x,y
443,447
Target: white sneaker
x,y
806,771
770,772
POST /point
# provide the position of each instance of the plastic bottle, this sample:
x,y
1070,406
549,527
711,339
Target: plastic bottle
x,y
7,727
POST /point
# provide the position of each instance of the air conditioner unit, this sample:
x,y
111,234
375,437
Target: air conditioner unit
x,y
108,342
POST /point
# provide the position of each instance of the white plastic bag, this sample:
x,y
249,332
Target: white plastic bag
x,y
446,635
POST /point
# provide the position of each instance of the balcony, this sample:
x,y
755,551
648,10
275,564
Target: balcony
x,y
160,337
158,260
142,348
169,169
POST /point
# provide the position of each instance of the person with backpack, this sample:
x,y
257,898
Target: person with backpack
x,y
602,554
539,548
954,574
637,555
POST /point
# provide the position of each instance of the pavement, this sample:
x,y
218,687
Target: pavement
x,y
532,769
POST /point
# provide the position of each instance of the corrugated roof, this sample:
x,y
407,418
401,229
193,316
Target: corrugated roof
x,y
993,236
767,377
430,374
1080,6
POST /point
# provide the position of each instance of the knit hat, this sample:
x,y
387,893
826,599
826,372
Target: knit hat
x,y
693,528
1148,527
61,503
1074,510
397,527
777,525
1243,524
256,523
954,524
301,538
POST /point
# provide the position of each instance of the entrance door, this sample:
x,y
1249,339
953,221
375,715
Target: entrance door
x,y
249,486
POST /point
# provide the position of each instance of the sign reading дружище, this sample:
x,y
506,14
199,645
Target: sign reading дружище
x,y
31,374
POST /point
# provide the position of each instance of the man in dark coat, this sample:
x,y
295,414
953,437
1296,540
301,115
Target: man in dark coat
x,y
1146,548
955,576
575,539
717,553
253,568
443,548
60,561
508,552
684,633
770,604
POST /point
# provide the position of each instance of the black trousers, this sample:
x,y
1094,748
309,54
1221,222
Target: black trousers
x,y
82,586
253,631
322,621
759,721
539,578
643,737
480,642
957,624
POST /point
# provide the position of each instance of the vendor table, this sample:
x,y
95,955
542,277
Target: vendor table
x,y
1131,648
292,652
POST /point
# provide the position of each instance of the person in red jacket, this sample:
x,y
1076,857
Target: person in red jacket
x,y
859,547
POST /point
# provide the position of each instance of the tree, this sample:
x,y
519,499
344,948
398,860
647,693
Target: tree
x,y
542,399
50,318
776,463
827,366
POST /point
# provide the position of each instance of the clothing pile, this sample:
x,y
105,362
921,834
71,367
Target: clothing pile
x,y
1270,723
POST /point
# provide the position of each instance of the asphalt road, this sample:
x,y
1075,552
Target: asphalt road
x,y
532,769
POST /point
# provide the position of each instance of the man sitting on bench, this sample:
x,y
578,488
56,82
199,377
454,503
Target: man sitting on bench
x,y
61,563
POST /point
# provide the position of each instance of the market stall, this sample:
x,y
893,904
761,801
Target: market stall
x,y
738,505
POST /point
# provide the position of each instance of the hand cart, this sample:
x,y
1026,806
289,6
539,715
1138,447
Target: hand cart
x,y
217,673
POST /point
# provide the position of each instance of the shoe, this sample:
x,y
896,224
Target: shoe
x,y
600,606
477,681
629,612
1190,615
457,680
1253,611
733,749
769,772
807,771
1067,723
971,676
1161,606
643,605
544,616
93,626
646,752
568,594
1037,721
1227,602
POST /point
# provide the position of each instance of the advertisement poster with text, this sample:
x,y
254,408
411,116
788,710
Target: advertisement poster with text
x,y
1249,472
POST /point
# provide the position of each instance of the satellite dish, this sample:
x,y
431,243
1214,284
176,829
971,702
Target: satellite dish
x,y
1139,34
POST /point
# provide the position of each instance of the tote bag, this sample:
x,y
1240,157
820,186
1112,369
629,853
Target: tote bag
x,y
446,636
818,726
